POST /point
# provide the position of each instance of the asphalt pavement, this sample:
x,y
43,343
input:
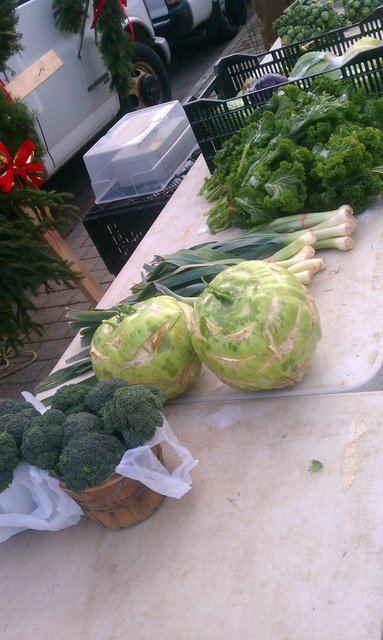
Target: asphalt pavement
x,y
23,372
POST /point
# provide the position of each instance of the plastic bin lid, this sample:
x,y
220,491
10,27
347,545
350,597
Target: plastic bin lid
x,y
139,127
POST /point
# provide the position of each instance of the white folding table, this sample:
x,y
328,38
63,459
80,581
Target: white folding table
x,y
260,548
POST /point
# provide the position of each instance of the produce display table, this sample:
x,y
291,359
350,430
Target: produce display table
x,y
348,294
280,537
260,548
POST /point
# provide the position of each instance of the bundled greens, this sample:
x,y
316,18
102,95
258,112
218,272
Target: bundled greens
x,y
302,151
287,241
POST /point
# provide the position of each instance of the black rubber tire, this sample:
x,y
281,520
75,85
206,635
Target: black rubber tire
x,y
151,84
225,20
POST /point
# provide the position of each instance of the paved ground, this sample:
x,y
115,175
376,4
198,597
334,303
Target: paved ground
x,y
25,372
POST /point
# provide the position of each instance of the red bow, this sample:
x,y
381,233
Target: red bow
x,y
98,7
20,167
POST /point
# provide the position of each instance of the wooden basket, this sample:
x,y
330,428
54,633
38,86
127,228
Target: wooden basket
x,y
119,502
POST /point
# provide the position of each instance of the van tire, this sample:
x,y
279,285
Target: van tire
x,y
151,84
223,23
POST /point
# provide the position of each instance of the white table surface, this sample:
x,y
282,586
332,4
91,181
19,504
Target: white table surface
x,y
259,549
349,295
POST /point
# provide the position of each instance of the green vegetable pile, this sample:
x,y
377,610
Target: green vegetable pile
x,y
302,151
306,19
82,437
290,242
356,10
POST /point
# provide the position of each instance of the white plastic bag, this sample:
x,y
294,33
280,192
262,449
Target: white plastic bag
x,y
35,500
141,464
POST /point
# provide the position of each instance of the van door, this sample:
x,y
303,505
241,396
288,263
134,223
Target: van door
x,y
76,101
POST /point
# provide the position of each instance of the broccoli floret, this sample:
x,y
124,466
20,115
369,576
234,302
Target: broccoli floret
x,y
76,424
88,460
101,393
134,413
9,457
10,406
16,423
42,441
70,398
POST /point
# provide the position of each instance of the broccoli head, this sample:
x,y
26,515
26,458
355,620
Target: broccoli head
x,y
42,440
70,398
11,406
101,393
16,423
9,457
134,413
76,424
86,461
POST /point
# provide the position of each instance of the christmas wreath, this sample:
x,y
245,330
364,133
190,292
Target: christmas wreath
x,y
10,40
115,43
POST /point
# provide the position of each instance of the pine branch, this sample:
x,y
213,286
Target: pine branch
x,y
26,266
10,40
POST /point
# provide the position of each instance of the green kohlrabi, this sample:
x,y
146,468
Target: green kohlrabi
x,y
256,326
150,344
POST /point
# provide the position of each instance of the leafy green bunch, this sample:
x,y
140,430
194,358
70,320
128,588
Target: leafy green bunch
x,y
302,151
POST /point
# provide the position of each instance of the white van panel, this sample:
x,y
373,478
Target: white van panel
x,y
201,11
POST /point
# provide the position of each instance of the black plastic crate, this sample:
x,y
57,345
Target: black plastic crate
x,y
117,228
215,120
232,71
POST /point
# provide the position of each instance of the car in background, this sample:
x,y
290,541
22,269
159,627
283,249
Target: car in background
x,y
175,19
74,104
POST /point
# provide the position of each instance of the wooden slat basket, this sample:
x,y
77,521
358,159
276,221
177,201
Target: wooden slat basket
x,y
119,502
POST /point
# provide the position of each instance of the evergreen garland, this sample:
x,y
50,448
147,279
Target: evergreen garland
x,y
10,40
115,43
26,262
68,14
26,267
16,125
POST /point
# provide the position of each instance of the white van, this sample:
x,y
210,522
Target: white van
x,y
76,102
219,19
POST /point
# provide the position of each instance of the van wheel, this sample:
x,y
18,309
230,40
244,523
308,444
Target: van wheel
x,y
225,19
151,84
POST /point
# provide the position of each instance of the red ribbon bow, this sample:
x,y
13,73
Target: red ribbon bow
x,y
6,93
20,167
98,7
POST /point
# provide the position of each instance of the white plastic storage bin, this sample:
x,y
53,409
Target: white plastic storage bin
x,y
141,153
